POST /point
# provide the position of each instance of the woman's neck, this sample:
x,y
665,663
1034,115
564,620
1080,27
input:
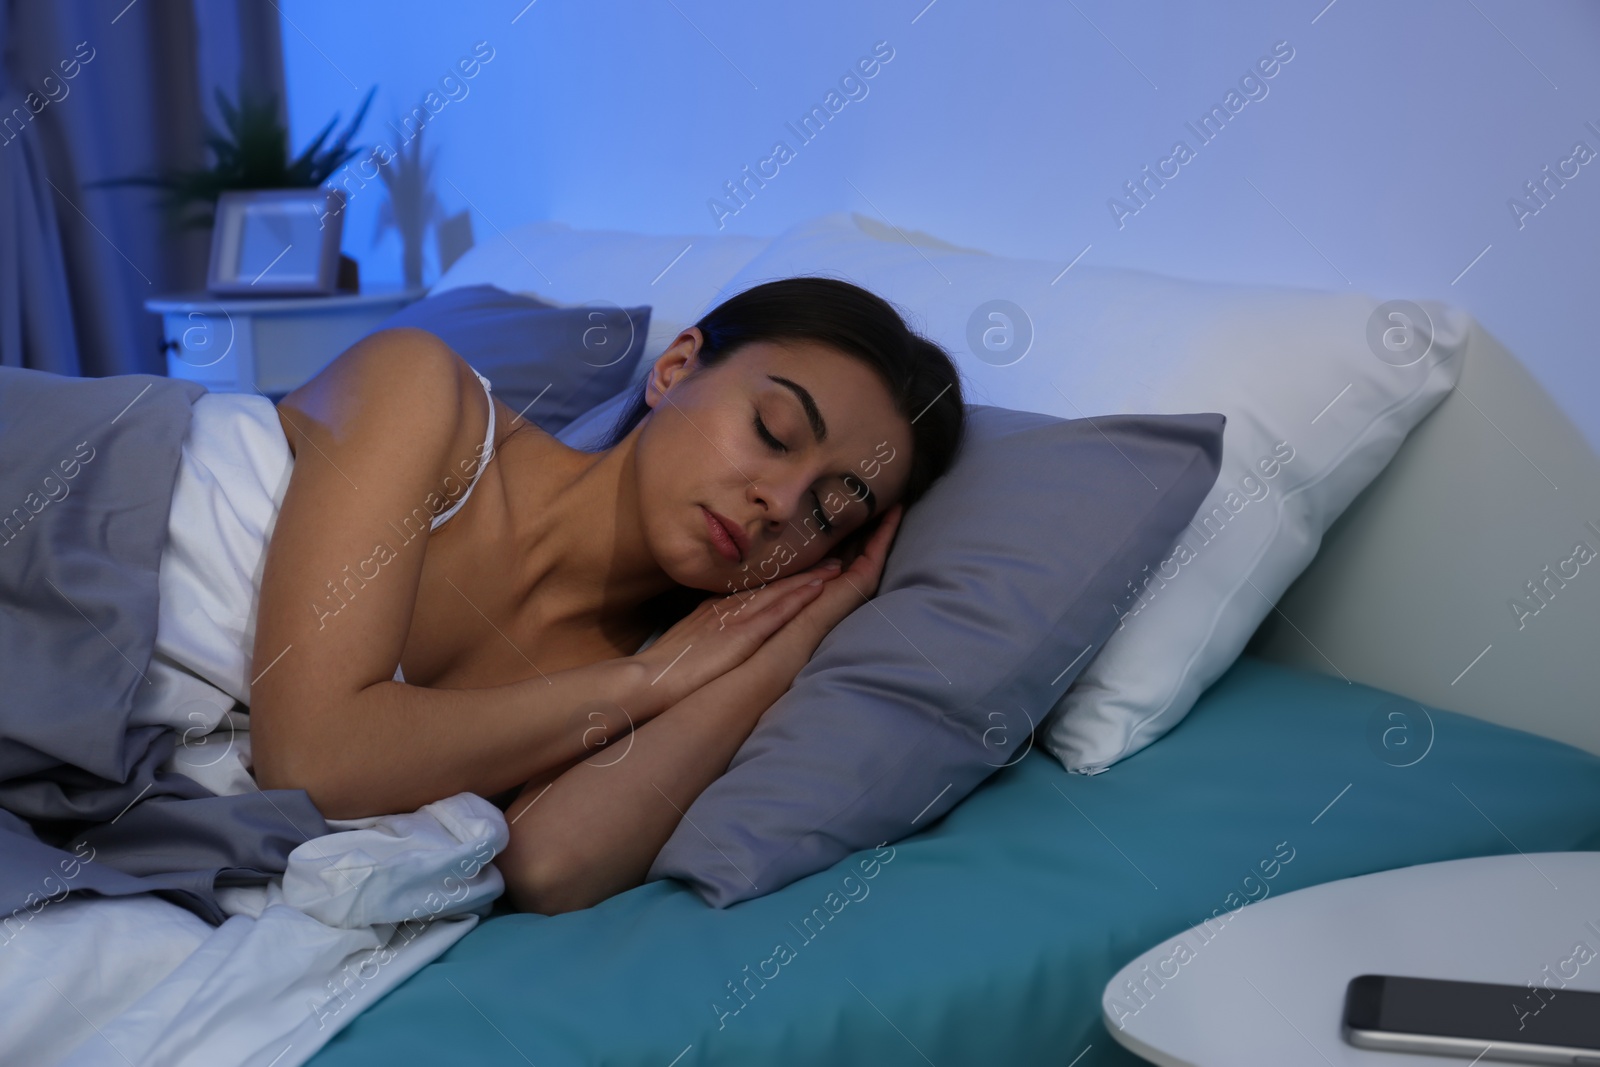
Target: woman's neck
x,y
578,535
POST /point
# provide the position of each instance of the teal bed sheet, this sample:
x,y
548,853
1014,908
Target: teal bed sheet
x,y
987,937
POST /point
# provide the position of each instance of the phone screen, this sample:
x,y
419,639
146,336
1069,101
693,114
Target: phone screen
x,y
1474,1010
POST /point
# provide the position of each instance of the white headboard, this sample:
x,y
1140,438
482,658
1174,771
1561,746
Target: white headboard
x,y
1416,588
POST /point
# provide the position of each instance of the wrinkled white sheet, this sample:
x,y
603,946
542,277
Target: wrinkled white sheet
x,y
93,980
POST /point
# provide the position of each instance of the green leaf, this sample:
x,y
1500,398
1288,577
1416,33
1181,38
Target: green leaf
x,y
303,160
229,115
250,152
339,152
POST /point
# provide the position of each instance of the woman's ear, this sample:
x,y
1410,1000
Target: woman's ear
x,y
677,362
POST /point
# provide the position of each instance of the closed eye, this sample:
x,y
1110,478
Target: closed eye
x,y
822,516
778,446
766,435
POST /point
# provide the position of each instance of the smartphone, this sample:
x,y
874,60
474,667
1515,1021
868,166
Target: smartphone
x,y
1467,1019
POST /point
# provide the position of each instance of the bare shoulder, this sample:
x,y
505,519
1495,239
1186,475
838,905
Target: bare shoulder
x,y
374,434
401,374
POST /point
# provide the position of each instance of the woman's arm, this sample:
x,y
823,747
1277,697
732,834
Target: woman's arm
x,y
379,437
383,438
593,831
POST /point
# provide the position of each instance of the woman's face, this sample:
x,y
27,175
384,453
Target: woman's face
x,y
788,446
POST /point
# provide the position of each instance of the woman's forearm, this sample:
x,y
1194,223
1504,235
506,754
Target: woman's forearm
x,y
394,747
582,836
594,831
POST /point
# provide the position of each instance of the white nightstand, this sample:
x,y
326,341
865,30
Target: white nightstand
x,y
265,344
1266,987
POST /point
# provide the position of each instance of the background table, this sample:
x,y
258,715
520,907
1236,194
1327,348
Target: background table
x,y
265,344
1266,987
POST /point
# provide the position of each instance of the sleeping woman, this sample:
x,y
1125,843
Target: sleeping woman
x,y
739,510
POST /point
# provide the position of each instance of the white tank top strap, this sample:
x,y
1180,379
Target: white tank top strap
x,y
487,452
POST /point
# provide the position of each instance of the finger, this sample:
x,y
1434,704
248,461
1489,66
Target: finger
x,y
888,522
858,588
785,608
822,569
876,548
889,526
815,585
762,599
825,568
750,594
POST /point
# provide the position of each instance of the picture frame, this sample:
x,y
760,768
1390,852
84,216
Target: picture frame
x,y
277,242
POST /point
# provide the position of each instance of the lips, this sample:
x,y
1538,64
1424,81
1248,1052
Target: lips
x,y
728,536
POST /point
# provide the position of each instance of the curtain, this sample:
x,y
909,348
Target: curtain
x,y
107,90
35,311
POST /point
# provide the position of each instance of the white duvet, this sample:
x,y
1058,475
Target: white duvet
x,y
139,980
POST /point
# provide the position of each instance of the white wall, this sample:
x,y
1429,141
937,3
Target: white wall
x,y
1382,158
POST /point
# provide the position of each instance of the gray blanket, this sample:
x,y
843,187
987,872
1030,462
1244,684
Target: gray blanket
x,y
87,467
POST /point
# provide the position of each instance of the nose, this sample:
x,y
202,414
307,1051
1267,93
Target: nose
x,y
781,499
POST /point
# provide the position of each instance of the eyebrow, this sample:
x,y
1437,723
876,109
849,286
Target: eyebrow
x,y
819,430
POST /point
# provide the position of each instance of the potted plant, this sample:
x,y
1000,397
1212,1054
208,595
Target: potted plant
x,y
411,206
251,153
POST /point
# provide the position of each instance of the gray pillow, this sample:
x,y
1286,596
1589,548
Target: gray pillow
x,y
1002,584
566,359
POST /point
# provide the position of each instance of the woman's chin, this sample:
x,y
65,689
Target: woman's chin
x,y
710,575
705,585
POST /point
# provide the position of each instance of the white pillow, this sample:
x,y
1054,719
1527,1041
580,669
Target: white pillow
x,y
1313,415
556,263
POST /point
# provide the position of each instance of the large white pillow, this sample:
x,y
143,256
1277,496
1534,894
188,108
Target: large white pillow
x,y
1319,390
675,275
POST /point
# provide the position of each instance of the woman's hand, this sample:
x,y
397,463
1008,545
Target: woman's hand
x,y
792,646
595,835
719,635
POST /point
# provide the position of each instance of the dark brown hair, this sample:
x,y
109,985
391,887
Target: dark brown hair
x,y
921,377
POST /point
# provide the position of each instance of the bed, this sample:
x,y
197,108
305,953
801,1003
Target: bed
x,y
989,936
